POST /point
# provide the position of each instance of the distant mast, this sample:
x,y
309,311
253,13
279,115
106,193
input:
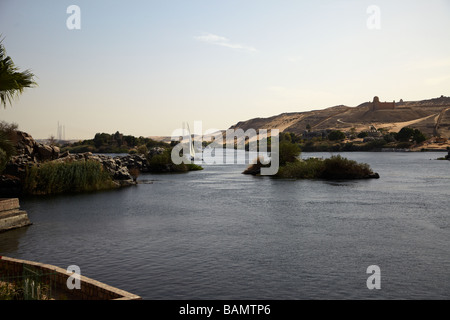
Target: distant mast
x,y
191,143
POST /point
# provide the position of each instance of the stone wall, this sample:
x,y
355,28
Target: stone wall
x,y
11,217
89,289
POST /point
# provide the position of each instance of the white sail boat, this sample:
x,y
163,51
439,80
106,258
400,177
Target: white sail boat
x,y
191,143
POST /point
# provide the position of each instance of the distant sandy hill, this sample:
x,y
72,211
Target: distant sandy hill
x,y
430,116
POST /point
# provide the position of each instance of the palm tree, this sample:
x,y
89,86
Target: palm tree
x,y
12,82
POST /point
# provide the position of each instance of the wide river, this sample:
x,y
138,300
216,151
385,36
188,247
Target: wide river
x,y
219,234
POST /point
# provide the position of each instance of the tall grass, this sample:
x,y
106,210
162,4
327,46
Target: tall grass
x,y
59,177
308,169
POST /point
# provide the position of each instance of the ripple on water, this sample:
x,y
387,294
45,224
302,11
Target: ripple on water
x,y
218,234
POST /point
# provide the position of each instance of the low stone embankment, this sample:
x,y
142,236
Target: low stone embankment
x,y
11,217
51,282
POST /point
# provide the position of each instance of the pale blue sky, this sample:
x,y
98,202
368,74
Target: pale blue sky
x,y
144,67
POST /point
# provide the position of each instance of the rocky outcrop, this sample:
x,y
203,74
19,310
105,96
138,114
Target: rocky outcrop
x,y
30,153
26,145
135,161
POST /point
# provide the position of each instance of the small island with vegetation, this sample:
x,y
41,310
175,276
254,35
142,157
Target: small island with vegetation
x,y
334,168
447,157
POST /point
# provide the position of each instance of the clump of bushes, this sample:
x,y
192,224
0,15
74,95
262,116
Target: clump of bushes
x,y
409,134
338,167
334,168
255,168
162,163
289,152
307,169
6,147
336,135
59,177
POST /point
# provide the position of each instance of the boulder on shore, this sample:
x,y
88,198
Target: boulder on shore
x,y
30,153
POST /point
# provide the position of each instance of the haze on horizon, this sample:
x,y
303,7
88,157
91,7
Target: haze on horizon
x,y
144,67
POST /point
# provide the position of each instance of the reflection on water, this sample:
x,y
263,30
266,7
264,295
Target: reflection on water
x,y
218,234
10,240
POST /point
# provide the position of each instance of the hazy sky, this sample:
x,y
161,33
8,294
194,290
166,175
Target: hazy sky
x,y
144,67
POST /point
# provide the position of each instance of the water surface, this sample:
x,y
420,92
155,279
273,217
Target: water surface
x,y
218,234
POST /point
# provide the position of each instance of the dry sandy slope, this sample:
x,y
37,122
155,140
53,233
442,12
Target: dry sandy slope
x,y
422,115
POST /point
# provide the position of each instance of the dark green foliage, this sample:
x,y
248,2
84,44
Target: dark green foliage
x,y
336,135
3,160
307,169
334,168
418,136
59,177
12,82
362,134
193,167
289,152
162,163
390,137
403,145
80,149
290,136
407,134
7,127
6,149
112,143
376,144
338,168
255,168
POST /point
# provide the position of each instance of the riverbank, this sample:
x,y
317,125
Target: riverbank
x,y
39,169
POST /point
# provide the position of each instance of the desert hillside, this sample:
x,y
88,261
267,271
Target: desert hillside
x,y
430,116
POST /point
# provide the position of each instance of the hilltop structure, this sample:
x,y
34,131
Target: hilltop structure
x,y
377,105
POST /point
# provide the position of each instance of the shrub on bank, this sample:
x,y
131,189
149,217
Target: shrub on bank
x,y
338,167
162,163
289,152
334,168
58,177
307,169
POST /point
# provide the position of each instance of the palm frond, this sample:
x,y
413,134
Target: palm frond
x,y
12,82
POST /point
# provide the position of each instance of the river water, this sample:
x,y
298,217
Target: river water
x,y
219,234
